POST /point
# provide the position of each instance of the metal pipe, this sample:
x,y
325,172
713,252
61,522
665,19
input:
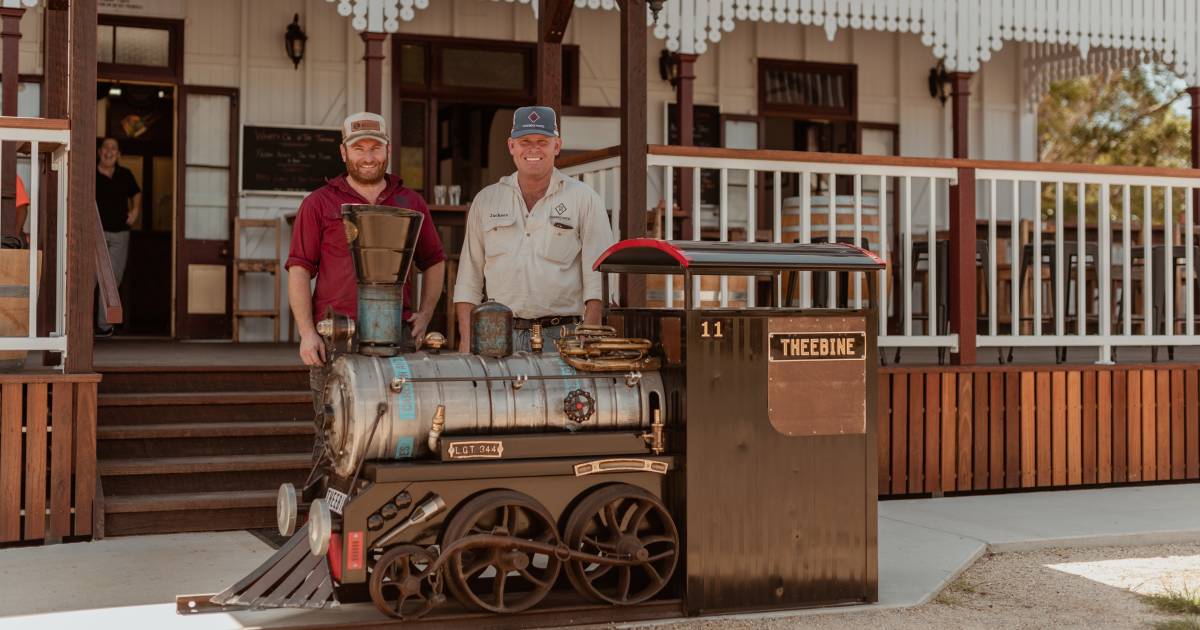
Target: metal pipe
x,y
423,512
439,424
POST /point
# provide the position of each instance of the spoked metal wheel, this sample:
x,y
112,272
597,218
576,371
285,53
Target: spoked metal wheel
x,y
501,578
402,586
626,522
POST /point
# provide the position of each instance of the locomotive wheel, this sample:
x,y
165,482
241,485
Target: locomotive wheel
x,y
501,579
399,585
627,521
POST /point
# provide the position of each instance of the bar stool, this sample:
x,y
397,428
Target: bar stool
x,y
1157,318
1049,257
920,252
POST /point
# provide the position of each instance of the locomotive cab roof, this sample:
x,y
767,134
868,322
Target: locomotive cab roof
x,y
656,256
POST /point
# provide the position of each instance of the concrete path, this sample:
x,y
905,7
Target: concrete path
x,y
923,545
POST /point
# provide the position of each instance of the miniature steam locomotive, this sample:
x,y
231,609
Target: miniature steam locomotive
x,y
489,473
486,476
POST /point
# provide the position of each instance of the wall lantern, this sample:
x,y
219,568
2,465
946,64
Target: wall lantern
x,y
668,70
938,78
655,7
295,39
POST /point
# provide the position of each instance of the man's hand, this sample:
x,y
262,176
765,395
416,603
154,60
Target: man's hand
x,y
130,218
312,350
419,322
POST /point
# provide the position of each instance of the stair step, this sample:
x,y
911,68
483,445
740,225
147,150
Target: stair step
x,y
203,430
203,398
208,464
190,501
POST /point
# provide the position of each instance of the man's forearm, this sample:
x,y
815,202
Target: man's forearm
x,y
301,300
593,312
462,312
432,281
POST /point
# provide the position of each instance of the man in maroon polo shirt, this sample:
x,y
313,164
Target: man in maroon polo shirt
x,y
319,242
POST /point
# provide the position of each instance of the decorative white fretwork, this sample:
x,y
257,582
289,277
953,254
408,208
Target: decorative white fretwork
x,y
1047,63
379,16
963,33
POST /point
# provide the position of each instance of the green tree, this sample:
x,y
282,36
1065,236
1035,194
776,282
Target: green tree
x,y
1122,118
1129,118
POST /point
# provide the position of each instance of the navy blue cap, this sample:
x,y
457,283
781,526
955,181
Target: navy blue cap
x,y
535,119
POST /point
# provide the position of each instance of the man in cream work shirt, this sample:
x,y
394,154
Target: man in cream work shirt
x,y
532,239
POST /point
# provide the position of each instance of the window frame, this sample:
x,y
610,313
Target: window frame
x,y
848,71
172,72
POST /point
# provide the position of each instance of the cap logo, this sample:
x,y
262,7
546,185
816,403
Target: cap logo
x,y
364,125
533,117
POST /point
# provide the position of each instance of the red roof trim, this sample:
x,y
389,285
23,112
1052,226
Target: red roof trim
x,y
653,243
865,252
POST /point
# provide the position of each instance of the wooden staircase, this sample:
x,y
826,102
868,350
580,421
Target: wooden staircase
x,y
190,449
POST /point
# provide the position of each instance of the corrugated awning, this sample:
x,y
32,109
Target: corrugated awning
x,y
648,255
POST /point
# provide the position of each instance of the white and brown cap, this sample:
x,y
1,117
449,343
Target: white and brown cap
x,y
364,125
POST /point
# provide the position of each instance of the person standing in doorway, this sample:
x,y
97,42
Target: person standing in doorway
x,y
119,200
532,239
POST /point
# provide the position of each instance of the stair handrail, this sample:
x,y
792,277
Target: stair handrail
x,y
110,297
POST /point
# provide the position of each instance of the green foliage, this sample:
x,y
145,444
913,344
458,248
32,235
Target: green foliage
x,y
1128,118
1121,118
1175,602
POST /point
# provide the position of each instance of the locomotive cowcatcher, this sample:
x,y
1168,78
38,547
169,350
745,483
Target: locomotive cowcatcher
x,y
720,458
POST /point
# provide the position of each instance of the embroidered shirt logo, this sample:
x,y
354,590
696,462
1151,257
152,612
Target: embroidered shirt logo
x,y
560,209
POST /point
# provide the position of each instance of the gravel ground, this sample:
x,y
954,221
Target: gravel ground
x,y
1018,590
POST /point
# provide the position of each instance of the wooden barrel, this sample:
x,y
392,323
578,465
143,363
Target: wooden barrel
x,y
14,303
710,291
843,216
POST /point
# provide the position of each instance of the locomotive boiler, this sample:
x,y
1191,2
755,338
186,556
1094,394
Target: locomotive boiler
x,y
497,481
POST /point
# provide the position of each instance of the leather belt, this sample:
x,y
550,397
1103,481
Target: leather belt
x,y
520,323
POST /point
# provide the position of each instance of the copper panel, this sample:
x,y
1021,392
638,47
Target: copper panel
x,y
817,375
772,521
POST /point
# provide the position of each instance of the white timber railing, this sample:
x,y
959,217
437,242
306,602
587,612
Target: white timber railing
x,y
43,141
1063,255
1104,259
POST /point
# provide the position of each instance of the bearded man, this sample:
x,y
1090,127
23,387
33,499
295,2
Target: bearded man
x,y
319,247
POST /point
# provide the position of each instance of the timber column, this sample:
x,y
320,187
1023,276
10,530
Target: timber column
x,y
374,59
633,138
11,35
685,77
81,185
961,292
553,16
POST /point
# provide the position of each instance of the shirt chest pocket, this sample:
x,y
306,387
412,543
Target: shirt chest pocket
x,y
500,235
560,245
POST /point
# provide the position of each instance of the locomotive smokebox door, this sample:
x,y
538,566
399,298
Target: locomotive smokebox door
x,y
780,487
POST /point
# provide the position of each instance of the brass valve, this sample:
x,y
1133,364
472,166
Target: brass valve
x,y
654,438
434,342
535,337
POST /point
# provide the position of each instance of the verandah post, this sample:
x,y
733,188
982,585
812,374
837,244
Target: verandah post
x,y
552,26
633,138
962,266
81,195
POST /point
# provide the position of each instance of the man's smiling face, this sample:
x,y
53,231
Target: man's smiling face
x,y
534,154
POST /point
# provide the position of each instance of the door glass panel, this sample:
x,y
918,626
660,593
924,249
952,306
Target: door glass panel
x,y
143,46
206,208
411,159
488,69
412,64
208,128
104,44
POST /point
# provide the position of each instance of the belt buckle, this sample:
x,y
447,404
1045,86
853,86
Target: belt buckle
x,y
554,321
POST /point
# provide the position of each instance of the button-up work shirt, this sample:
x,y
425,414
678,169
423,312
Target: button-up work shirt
x,y
537,261
319,243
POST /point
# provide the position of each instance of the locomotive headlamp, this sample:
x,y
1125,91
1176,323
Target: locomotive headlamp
x,y
320,527
286,508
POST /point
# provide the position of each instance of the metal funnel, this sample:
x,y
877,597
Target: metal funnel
x,y
383,241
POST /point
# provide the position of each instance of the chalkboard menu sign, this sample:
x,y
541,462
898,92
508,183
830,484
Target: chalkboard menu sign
x,y
289,159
